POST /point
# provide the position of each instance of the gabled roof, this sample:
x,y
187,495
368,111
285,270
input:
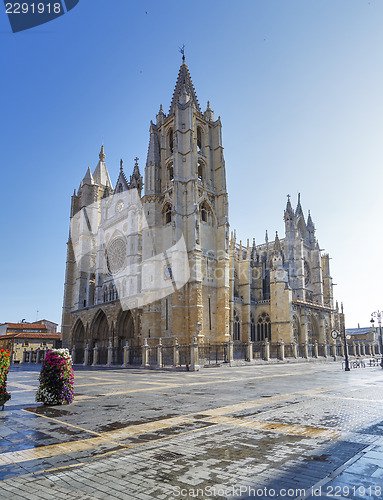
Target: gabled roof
x,y
122,183
184,84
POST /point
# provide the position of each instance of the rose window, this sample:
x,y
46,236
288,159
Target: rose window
x,y
116,255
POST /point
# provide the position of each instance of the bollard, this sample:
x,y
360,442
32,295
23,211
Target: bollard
x,y
145,354
306,350
230,347
249,351
110,354
194,366
95,355
86,355
176,353
159,353
73,354
37,356
266,350
281,349
30,355
126,354
316,350
295,350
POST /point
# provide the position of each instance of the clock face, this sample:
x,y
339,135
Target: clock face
x,y
334,334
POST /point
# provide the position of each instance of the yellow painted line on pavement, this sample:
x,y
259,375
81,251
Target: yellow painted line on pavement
x,y
214,416
277,427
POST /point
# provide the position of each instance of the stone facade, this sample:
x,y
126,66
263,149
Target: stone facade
x,y
160,263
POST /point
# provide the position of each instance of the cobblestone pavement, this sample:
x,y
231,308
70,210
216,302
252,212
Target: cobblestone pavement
x,y
302,430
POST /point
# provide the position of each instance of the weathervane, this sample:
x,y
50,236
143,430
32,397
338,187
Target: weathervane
x,y
182,50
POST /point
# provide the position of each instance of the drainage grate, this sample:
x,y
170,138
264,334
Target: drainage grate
x,y
168,456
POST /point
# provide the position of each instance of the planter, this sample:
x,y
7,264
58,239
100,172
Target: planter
x,y
3,400
4,368
56,378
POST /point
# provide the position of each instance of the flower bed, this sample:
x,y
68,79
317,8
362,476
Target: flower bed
x,y
5,359
56,378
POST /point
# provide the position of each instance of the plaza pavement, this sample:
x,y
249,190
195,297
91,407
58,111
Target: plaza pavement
x,y
301,430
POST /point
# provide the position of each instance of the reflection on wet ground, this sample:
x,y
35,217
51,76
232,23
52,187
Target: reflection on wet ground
x,y
147,432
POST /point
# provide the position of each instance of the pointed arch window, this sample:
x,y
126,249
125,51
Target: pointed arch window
x,y
171,141
205,213
236,327
263,327
170,171
236,284
200,171
167,212
252,328
199,139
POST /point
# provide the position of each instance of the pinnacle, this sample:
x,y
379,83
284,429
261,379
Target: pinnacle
x,y
102,154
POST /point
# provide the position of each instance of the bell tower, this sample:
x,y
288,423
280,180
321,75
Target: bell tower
x,y
186,199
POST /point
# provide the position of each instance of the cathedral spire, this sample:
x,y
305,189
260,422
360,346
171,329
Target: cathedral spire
x,y
136,177
310,224
299,210
88,178
289,212
277,245
101,174
184,87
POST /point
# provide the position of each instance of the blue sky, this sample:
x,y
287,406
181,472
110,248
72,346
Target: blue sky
x,y
297,83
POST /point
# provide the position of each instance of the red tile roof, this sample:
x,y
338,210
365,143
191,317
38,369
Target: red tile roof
x,y
26,326
31,335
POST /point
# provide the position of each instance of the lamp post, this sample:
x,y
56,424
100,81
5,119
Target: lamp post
x,y
335,334
378,315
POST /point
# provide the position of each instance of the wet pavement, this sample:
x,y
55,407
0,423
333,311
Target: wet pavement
x,y
300,430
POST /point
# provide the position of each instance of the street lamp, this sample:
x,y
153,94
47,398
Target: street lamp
x,y
378,315
335,334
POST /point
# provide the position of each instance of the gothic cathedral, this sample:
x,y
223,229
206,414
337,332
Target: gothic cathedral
x,y
161,263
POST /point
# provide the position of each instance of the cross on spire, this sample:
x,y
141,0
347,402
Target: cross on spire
x,y
136,160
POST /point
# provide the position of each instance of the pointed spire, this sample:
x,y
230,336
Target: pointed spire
x,y
122,184
184,85
299,207
254,250
153,157
88,178
209,113
310,224
277,244
136,177
102,154
266,238
289,212
160,116
101,174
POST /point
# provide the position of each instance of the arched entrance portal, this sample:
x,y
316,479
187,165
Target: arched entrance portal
x,y
78,334
100,331
125,333
78,341
125,325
